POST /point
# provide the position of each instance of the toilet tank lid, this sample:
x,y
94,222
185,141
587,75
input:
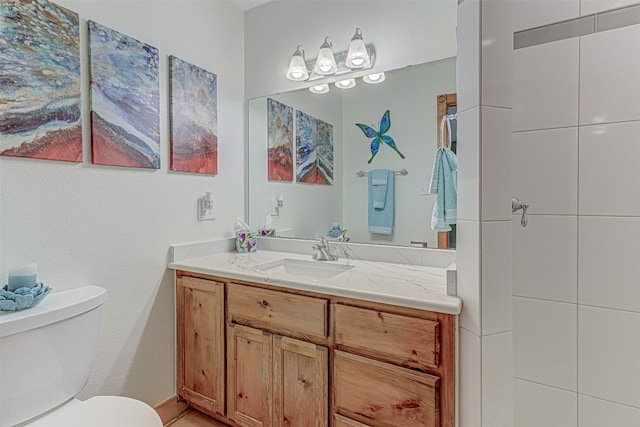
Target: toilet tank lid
x,y
57,306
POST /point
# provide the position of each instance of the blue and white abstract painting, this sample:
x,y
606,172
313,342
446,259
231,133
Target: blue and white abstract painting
x,y
324,152
306,167
125,99
39,81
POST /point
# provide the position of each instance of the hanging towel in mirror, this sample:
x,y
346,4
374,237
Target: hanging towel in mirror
x,y
381,201
444,183
379,187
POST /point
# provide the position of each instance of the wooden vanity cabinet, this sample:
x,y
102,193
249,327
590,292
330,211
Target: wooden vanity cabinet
x,y
200,351
300,359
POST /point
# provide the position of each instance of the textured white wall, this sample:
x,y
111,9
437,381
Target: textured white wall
x,y
403,32
112,227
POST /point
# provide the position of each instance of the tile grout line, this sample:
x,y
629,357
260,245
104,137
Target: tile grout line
x,y
632,12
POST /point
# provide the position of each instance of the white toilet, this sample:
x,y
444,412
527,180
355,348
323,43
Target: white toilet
x,y
46,354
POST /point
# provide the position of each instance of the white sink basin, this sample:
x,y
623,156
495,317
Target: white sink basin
x,y
300,267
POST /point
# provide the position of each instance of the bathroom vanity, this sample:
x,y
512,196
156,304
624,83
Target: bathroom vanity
x,y
372,344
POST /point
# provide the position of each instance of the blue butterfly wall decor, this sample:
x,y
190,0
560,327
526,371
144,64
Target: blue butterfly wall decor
x,y
385,124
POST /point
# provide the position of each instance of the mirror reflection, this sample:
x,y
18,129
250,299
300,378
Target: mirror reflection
x,y
322,192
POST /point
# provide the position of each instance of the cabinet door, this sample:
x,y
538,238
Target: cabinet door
x,y
249,371
300,383
200,333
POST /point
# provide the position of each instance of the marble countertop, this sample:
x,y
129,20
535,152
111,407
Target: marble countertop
x,y
403,285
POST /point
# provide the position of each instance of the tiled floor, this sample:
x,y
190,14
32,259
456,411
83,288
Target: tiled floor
x,y
192,418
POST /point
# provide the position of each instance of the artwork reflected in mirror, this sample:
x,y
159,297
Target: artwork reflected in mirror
x,y
279,141
313,209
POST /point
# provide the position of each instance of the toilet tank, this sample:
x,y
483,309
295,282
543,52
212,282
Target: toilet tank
x,y
46,352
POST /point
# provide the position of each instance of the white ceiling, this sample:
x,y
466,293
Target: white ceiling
x,y
248,4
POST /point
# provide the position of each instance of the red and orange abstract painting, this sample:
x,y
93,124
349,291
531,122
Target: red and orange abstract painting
x,y
39,81
279,141
194,118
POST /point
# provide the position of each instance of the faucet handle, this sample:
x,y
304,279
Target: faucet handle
x,y
516,205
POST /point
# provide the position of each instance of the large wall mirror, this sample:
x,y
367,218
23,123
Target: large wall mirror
x,y
309,210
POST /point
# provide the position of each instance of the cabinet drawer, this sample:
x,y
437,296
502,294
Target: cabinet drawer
x,y
279,312
407,341
380,394
340,421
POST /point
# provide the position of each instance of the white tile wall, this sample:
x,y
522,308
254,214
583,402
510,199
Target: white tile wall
x,y
590,6
545,170
609,172
469,164
537,405
545,259
497,41
468,262
468,33
496,164
544,338
545,86
575,267
497,380
471,373
535,13
609,278
610,77
497,312
594,412
608,354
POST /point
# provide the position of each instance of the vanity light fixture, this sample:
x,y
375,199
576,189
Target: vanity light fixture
x,y
346,84
357,56
360,56
297,67
323,88
326,62
374,78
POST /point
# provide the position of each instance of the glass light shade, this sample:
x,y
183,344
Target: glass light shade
x,y
374,78
323,88
357,56
297,68
345,84
326,62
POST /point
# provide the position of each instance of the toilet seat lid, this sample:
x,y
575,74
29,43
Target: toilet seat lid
x,y
104,411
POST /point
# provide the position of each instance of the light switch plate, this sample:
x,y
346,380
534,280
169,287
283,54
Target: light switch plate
x,y
424,188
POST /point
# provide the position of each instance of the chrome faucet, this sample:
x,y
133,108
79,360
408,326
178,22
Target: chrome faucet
x,y
323,252
343,236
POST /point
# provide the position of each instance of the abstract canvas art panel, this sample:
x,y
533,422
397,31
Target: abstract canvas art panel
x,y
279,141
39,81
194,118
125,100
306,134
324,152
